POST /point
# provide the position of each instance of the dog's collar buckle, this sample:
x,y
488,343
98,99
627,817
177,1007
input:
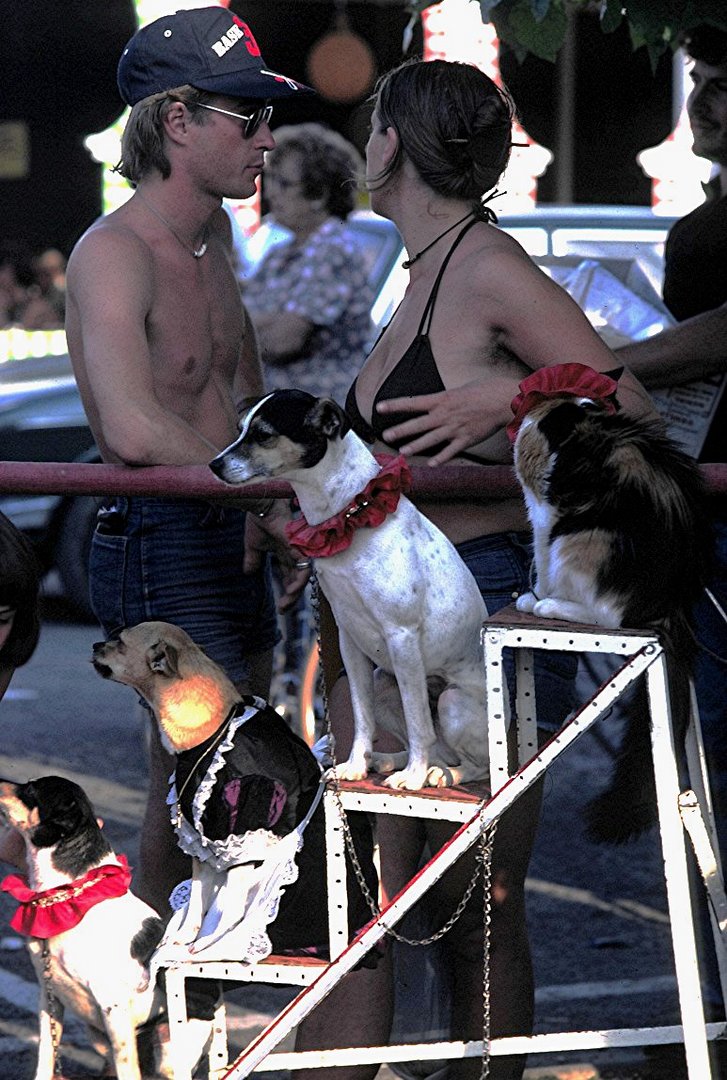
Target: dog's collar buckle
x,y
357,507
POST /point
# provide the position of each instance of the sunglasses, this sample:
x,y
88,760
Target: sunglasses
x,y
262,115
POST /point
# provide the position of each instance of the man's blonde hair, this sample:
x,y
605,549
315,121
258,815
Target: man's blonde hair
x,y
142,143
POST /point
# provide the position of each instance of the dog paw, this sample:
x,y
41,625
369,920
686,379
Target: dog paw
x,y
549,608
526,602
407,780
440,776
349,770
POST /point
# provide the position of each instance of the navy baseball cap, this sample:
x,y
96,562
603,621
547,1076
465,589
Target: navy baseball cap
x,y
208,48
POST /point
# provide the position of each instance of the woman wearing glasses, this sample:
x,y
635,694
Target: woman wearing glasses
x,y
310,299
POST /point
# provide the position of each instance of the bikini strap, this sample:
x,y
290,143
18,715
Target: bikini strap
x,y
426,320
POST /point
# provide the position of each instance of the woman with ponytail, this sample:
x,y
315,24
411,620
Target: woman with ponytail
x,y
477,317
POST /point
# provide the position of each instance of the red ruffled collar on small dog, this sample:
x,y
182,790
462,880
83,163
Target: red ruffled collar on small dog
x,y
368,509
44,914
576,379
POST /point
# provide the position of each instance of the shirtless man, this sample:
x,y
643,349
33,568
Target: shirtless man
x,y
165,358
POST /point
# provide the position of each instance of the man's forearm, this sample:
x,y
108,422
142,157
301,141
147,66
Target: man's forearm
x,y
282,335
691,350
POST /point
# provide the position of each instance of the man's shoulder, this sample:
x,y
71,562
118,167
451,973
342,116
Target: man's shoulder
x,y
110,230
712,211
110,254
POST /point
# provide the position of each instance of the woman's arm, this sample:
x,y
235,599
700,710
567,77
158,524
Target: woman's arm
x,y
539,324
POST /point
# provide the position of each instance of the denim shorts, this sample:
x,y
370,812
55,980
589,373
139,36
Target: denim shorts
x,y
500,564
180,561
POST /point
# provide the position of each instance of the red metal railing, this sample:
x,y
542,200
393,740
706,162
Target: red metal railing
x,y
197,481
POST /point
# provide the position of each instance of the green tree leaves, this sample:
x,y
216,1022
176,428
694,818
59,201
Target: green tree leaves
x,y
539,26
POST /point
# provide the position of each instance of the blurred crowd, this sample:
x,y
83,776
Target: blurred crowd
x,y
32,287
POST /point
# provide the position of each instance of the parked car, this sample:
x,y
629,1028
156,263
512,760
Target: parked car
x,y
42,419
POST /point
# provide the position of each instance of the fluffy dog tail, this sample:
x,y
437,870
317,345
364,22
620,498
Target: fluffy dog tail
x,y
627,807
670,567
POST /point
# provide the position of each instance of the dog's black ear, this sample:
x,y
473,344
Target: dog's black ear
x,y
562,420
328,419
64,810
50,833
163,659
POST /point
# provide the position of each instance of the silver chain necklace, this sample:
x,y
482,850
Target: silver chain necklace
x,y
196,253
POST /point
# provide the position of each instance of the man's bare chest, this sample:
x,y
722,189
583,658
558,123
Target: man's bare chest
x,y
193,332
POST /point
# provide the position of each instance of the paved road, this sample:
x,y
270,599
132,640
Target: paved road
x,y
598,916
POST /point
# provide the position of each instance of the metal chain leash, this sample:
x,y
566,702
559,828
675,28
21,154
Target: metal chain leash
x,y
487,929
52,1007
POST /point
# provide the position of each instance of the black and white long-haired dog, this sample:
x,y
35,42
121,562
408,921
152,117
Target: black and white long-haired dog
x,y
620,539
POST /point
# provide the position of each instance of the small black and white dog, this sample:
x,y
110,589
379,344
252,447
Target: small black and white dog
x,y
406,605
89,938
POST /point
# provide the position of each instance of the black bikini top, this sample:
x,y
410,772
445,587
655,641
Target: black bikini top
x,y
416,372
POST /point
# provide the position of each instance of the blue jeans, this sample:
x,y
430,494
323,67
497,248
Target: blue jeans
x,y
180,561
500,564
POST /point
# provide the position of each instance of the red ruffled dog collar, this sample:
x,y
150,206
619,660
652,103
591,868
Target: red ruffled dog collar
x,y
379,498
45,914
576,379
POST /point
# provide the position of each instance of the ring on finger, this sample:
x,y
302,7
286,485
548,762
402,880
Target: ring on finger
x,y
304,564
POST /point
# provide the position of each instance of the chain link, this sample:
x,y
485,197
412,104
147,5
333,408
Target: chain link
x,y
52,1007
484,854
487,928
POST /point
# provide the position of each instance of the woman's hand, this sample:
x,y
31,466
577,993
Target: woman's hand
x,y
461,417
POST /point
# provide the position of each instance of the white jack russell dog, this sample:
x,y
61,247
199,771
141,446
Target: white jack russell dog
x,y
404,601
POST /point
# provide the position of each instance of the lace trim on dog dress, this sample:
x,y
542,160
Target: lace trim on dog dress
x,y
245,874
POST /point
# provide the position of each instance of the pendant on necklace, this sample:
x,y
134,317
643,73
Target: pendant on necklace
x,y
200,251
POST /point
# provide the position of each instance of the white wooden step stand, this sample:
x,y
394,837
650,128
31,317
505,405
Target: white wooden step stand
x,y
643,655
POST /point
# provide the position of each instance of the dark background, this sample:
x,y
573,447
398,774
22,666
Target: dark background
x,y
58,63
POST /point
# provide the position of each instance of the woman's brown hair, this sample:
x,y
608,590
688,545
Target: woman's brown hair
x,y
454,125
19,590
